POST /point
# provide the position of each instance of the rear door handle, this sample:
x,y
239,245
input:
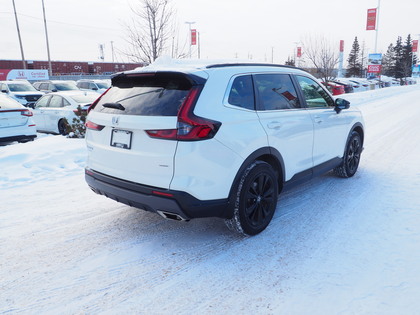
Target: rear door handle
x,y
274,125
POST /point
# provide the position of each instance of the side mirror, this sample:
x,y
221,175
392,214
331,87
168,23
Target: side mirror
x,y
341,104
94,88
4,91
54,90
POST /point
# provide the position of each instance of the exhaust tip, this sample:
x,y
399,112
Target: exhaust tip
x,y
171,216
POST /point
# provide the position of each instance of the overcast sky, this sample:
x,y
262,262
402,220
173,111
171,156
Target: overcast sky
x,y
228,29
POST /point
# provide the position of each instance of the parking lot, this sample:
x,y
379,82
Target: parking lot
x,y
334,246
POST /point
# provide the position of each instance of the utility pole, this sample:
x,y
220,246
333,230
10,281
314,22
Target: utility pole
x,y
112,50
20,39
199,48
46,37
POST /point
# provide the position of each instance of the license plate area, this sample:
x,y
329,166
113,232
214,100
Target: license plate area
x,y
121,138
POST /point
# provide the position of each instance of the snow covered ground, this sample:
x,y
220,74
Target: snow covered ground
x,y
335,246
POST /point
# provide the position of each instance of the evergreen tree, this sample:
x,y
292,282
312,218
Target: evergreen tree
x,y
354,68
388,62
399,59
408,59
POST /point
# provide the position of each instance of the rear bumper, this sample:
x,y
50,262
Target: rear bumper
x,y
155,199
23,138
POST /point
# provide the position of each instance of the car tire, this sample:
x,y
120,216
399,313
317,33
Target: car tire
x,y
351,157
255,199
62,127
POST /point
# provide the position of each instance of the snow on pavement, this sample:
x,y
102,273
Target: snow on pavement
x,y
335,246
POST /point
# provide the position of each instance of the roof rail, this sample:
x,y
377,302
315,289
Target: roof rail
x,y
221,65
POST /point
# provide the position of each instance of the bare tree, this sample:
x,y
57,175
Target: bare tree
x,y
322,55
150,30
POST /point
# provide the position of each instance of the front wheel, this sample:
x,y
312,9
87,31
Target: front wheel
x,y
351,157
256,199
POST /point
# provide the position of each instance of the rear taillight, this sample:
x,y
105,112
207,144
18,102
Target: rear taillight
x,y
189,126
92,126
26,113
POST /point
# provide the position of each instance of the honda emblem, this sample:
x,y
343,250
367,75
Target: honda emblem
x,y
115,120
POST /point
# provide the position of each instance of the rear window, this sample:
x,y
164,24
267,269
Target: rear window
x,y
66,86
160,94
8,103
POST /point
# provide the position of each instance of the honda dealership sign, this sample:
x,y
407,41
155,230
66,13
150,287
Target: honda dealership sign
x,y
17,74
375,63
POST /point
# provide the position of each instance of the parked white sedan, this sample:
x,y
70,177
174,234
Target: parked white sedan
x,y
53,110
16,123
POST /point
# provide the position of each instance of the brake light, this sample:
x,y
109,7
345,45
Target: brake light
x,y
26,113
92,126
189,126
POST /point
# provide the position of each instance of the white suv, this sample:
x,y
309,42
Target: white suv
x,y
217,140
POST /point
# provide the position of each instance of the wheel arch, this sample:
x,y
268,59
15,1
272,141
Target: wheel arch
x,y
269,155
358,127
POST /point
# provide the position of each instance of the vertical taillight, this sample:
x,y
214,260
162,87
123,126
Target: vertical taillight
x,y
189,126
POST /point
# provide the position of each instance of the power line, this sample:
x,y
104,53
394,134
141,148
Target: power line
x,y
64,23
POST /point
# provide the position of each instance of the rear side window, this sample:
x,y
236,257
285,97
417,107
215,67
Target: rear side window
x,y
275,92
146,95
242,92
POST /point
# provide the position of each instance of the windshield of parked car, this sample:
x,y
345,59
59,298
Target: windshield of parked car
x,y
81,99
20,87
66,87
102,85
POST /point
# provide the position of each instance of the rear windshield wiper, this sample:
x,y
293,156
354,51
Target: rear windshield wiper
x,y
135,95
114,105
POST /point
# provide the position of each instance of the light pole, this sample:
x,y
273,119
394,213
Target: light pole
x,y
48,45
377,26
20,39
190,23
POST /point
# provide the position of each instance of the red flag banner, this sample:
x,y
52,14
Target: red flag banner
x,y
415,45
341,45
371,20
193,37
299,52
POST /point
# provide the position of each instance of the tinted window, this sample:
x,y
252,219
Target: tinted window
x,y
20,87
157,95
43,101
56,101
276,91
65,86
102,85
314,94
242,92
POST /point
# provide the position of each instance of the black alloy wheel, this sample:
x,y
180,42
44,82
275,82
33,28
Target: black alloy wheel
x,y
256,199
351,158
